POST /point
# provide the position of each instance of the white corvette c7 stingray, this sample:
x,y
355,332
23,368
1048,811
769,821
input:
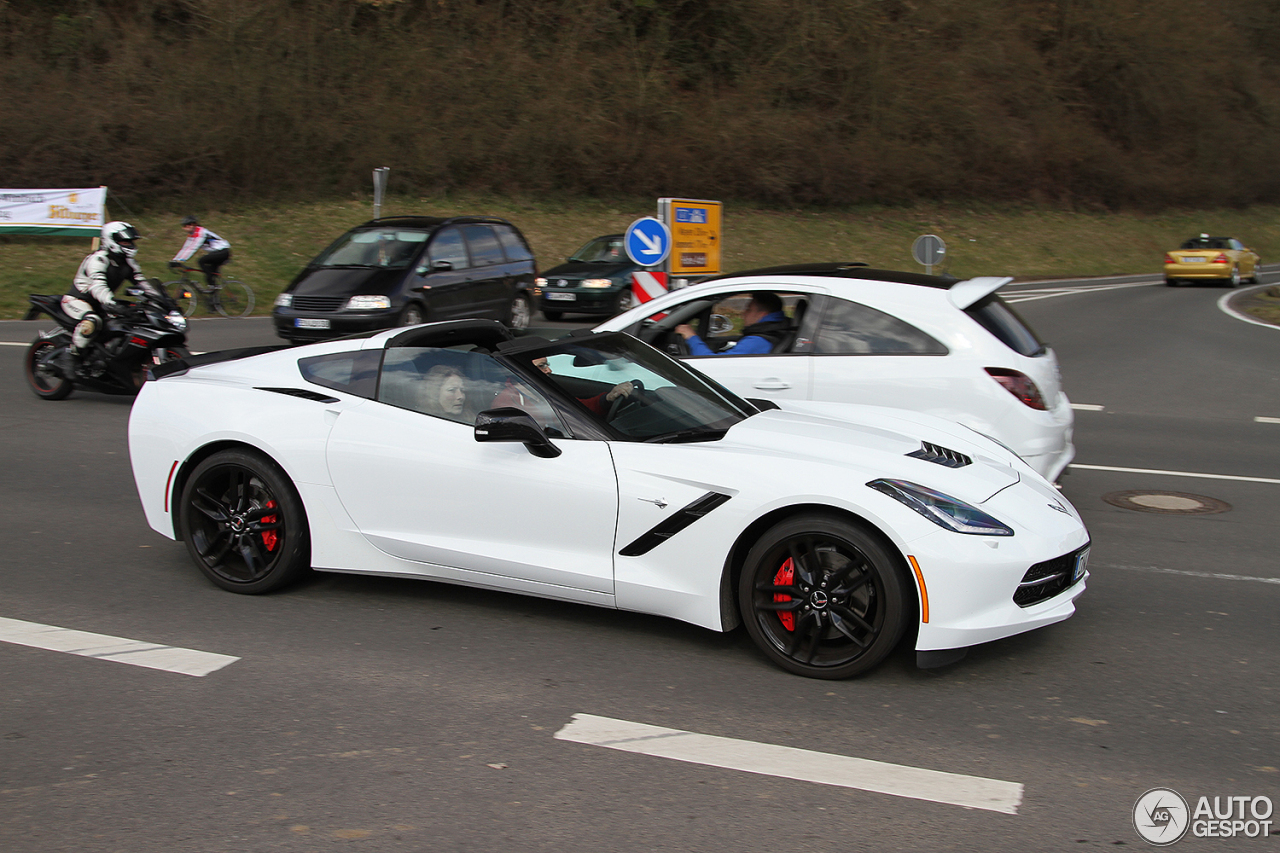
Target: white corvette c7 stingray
x,y
599,470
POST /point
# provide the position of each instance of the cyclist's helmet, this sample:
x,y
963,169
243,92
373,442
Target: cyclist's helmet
x,y
120,238
190,220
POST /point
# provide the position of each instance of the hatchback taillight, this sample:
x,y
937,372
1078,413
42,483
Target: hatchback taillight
x,y
1221,259
1019,385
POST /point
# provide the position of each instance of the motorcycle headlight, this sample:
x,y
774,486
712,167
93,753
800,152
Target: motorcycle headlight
x,y
176,320
368,303
942,510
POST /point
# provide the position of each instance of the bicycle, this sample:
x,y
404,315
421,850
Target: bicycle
x,y
229,297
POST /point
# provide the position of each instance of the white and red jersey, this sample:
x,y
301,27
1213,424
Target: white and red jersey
x,y
201,238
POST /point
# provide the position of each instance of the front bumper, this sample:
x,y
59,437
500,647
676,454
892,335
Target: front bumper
x,y
324,325
577,300
974,584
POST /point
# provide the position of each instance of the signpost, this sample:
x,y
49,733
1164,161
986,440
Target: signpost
x,y
929,250
380,175
695,231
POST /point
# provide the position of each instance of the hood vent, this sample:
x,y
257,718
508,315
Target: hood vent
x,y
941,456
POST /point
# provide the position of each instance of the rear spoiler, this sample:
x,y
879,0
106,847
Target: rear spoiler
x,y
180,366
962,294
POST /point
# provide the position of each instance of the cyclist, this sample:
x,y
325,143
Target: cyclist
x,y
217,251
92,293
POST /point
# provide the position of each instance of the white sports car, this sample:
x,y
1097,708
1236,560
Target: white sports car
x,y
599,470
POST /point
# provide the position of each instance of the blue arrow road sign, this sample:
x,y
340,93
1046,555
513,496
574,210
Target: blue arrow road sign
x,y
648,241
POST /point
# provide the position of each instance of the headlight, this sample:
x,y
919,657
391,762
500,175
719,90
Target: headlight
x,y
942,510
368,303
175,319
284,300
597,282
539,282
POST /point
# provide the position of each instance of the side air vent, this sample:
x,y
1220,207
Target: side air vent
x,y
301,394
941,456
1045,580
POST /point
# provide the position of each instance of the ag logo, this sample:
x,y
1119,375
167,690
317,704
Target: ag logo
x,y
1161,816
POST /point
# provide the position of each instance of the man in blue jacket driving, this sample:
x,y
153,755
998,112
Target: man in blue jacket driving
x,y
765,325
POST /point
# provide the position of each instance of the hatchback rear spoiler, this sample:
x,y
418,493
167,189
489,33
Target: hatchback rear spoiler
x,y
962,294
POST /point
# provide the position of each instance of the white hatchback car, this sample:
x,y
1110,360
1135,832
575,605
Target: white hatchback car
x,y
859,335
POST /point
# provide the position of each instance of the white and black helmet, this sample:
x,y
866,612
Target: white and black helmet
x,y
120,238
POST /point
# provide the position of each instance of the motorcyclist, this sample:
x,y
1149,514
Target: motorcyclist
x,y
91,298
217,251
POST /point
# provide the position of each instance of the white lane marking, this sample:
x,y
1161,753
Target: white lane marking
x,y
1051,292
1175,473
1261,420
118,649
15,343
787,762
1088,407
1225,308
1213,575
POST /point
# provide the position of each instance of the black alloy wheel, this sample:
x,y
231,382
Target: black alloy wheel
x,y
411,315
623,301
821,597
42,375
519,312
243,523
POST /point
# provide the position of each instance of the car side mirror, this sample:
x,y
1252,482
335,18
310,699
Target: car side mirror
x,y
511,424
720,324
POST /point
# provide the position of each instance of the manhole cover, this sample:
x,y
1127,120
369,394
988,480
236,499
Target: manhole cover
x,y
1169,503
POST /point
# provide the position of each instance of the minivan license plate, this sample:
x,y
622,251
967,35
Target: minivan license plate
x,y
308,323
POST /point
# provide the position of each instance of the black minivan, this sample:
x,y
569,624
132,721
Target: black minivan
x,y
404,270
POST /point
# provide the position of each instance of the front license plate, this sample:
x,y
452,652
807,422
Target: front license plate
x,y
1194,260
308,323
1082,560
561,297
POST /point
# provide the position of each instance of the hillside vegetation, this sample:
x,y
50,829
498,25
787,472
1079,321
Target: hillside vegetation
x,y
272,241
1084,104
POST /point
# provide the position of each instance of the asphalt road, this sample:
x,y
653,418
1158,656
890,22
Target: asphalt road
x,y
395,715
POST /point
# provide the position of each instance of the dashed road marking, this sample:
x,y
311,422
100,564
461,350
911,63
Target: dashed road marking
x,y
117,649
974,792
1262,420
1088,407
1234,477
1218,576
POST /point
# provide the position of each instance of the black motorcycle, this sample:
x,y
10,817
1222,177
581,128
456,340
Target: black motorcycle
x,y
143,333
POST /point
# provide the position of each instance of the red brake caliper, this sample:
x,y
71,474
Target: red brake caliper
x,y
784,577
269,537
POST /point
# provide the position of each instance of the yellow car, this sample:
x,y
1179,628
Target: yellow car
x,y
1222,259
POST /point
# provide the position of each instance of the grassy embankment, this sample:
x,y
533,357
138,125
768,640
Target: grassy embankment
x,y
272,242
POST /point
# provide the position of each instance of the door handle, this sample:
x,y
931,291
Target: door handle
x,y
771,384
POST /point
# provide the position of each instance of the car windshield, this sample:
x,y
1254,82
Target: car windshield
x,y
654,397
394,248
601,250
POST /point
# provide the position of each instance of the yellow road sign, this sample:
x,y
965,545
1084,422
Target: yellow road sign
x,y
695,235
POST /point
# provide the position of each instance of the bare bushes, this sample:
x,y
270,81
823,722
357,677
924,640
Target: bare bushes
x,y
818,101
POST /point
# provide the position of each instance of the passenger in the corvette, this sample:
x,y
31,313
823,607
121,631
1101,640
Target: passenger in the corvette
x,y
765,325
443,392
